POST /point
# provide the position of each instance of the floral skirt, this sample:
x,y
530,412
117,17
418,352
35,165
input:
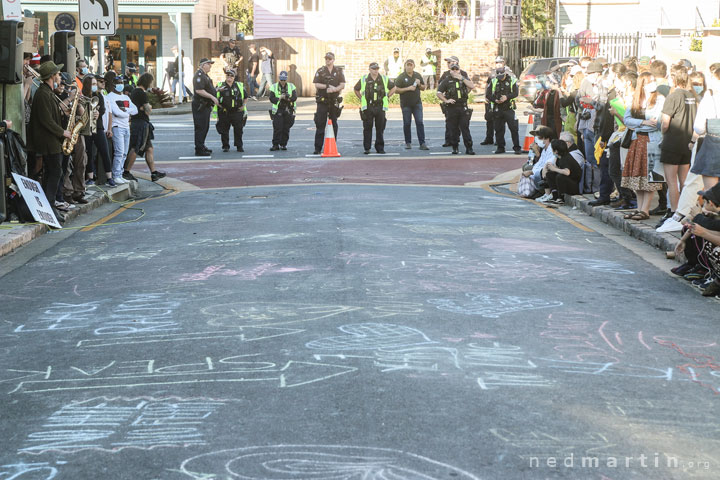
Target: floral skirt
x,y
635,173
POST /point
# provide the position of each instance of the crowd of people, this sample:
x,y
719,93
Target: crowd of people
x,y
75,119
635,129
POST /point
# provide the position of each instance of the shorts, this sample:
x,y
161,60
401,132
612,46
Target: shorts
x,y
672,158
141,135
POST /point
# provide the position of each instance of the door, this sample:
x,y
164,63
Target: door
x,y
149,56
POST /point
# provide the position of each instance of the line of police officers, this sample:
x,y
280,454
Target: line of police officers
x,y
373,90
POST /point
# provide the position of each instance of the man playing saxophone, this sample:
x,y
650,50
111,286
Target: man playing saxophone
x,y
74,183
45,133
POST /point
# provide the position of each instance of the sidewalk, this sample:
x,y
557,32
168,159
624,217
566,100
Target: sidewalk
x,y
14,235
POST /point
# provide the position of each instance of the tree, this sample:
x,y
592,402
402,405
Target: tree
x,y
411,21
242,10
538,17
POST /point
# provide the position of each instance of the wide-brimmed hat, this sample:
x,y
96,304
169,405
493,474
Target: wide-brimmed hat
x,y
48,69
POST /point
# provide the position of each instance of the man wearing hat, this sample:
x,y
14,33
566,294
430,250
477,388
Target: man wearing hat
x,y
131,77
428,63
232,57
283,96
501,92
202,105
452,60
329,82
394,64
232,111
489,106
45,134
374,91
453,92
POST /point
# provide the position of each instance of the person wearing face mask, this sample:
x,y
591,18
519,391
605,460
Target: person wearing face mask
x,y
643,118
551,116
45,132
96,143
677,127
122,108
564,174
588,99
82,70
544,153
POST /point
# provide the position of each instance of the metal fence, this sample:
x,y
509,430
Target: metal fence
x,y
519,52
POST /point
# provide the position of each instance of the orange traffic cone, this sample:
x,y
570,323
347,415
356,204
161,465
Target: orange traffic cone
x,y
330,147
529,137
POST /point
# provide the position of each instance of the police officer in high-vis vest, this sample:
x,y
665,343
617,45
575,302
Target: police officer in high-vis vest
x,y
231,109
283,96
501,92
374,91
453,92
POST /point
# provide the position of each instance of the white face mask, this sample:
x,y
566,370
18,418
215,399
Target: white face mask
x,y
651,88
540,142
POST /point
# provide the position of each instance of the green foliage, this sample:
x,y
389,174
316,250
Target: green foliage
x,y
538,17
243,11
411,21
428,97
696,44
159,98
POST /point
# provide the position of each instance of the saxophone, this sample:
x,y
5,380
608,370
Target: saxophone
x,y
73,127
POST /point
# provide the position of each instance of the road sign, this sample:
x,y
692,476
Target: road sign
x,y
36,200
98,17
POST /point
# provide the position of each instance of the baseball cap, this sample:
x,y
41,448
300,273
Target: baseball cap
x,y
330,55
396,49
65,78
374,65
544,132
119,79
499,59
428,49
712,194
203,61
283,75
452,59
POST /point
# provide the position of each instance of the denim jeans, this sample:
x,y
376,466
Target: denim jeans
x,y
121,143
175,82
417,112
589,144
252,84
267,80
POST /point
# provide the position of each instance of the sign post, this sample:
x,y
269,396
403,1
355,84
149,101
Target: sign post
x,y
98,17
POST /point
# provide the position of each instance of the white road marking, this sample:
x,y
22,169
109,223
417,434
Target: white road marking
x,y
191,158
258,156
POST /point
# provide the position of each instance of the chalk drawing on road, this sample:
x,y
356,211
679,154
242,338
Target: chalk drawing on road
x,y
250,273
371,336
29,471
491,305
119,374
113,424
318,462
514,245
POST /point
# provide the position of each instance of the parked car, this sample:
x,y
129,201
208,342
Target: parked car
x,y
529,78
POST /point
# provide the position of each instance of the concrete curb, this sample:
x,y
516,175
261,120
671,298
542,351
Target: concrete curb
x,y
640,230
22,234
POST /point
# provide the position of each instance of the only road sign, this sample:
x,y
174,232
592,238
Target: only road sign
x,y
98,17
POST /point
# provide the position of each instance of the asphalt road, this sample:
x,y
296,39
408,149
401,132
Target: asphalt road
x,y
351,332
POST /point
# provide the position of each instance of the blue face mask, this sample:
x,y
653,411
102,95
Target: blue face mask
x,y
698,89
119,87
84,70
539,86
93,88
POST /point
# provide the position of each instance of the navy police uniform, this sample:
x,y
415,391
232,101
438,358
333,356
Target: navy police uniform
x,y
202,108
231,113
504,113
282,112
327,103
457,114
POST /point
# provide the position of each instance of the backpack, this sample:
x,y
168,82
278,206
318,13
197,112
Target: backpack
x,y
590,181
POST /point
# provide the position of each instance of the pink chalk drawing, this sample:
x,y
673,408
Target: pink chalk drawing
x,y
252,273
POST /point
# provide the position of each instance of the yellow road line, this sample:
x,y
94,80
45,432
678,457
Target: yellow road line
x,y
120,210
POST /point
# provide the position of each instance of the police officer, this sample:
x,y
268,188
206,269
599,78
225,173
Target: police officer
x,y
453,92
232,111
489,107
283,96
131,77
453,60
202,105
329,82
502,91
374,91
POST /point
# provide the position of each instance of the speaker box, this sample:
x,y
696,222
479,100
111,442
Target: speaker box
x,y
62,45
11,52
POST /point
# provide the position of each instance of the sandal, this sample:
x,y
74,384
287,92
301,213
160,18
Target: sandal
x,y
640,216
629,215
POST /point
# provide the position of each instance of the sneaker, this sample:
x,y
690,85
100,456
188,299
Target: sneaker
x,y
702,283
499,151
681,270
670,225
119,180
62,206
274,148
225,149
545,198
80,200
129,176
156,175
423,147
89,182
665,217
408,146
698,272
366,152
455,151
283,147
110,182
202,153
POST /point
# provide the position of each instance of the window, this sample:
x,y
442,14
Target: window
x,y
510,8
301,6
212,21
139,23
